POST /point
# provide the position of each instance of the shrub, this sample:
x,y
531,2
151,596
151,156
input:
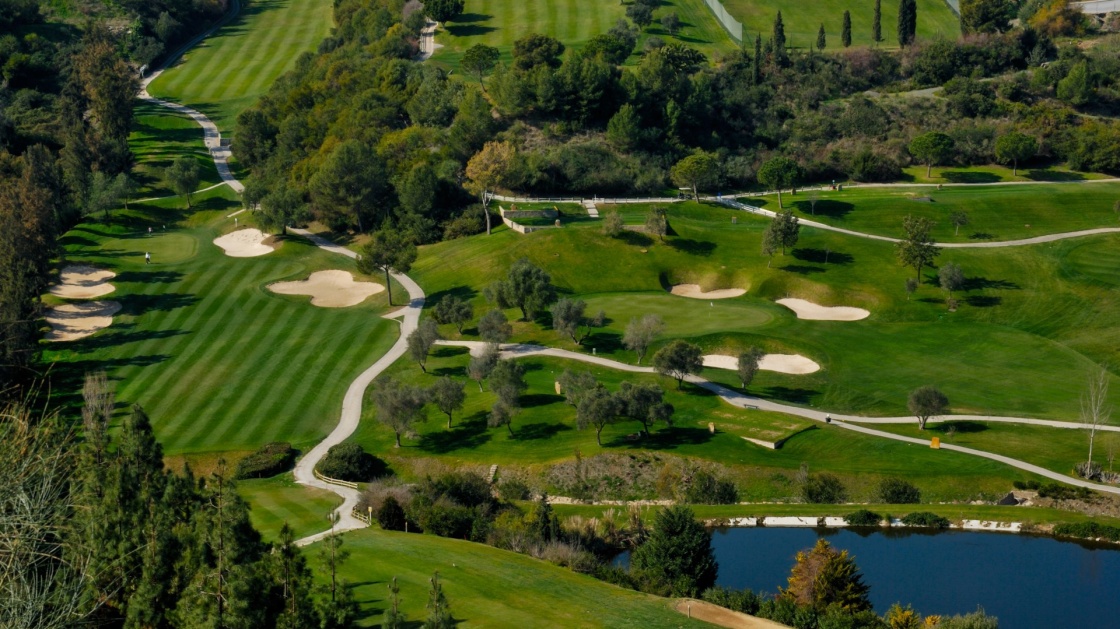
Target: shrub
x,y
391,515
895,491
514,489
926,519
349,462
1088,530
863,517
706,489
1030,484
744,600
467,224
1064,492
270,460
823,489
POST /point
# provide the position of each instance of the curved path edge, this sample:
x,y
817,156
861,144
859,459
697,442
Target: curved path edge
x,y
847,422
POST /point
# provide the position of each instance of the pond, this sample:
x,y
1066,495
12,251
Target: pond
x,y
1027,581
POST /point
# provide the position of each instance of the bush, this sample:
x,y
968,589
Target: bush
x,y
706,489
270,460
824,489
349,462
744,601
1064,492
895,491
863,517
1088,530
514,489
926,519
1030,484
467,224
391,515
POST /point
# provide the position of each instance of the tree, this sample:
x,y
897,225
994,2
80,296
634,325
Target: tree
x,y
771,241
537,50
958,219
398,406
677,559
824,576
443,10
747,365
393,618
507,380
1095,410
671,23
846,30
183,177
598,407
390,251
918,248
281,207
439,612
451,309
494,328
911,286
985,16
527,287
778,39
907,21
779,172
624,130
568,318
951,278
106,192
699,170
1076,88
823,489
1015,147
931,148
350,187
657,223
420,342
678,360
877,22
895,491
786,228
756,61
820,38
645,404
640,14
478,60
480,366
448,396
492,167
640,334
926,402
613,224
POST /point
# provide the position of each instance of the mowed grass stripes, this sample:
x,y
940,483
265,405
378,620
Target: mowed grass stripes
x,y
228,71
278,500
218,361
500,23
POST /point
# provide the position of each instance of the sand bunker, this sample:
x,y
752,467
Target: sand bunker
x,y
74,321
795,364
693,290
329,289
244,243
83,282
809,310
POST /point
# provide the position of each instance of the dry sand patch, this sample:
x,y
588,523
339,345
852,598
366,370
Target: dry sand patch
x,y
795,364
70,322
815,312
329,289
693,291
244,243
83,282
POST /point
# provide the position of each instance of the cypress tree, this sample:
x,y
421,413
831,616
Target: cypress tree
x,y
877,22
846,30
756,71
778,41
820,38
907,21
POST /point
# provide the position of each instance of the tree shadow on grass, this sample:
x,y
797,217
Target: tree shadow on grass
x,y
539,430
664,439
635,238
802,269
976,283
71,240
701,248
533,400
964,176
148,277
119,334
469,433
1045,174
983,301
960,427
826,207
790,394
449,351
469,30
464,293
139,304
604,342
981,236
822,256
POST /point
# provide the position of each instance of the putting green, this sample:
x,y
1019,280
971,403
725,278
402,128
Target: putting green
x,y
166,248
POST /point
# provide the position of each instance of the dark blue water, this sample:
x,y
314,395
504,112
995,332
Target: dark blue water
x,y
1027,581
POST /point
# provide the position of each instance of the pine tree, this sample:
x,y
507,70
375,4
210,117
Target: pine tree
x,y
820,38
907,21
439,613
846,30
778,39
393,618
877,22
756,70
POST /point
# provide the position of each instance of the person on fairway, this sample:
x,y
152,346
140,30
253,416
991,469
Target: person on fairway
x,y
147,257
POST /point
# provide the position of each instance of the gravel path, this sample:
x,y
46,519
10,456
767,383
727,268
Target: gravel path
x,y
428,43
846,422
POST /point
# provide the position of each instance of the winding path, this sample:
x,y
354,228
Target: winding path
x,y
742,400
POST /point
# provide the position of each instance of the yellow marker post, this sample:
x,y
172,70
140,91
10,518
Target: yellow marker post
x,y
935,443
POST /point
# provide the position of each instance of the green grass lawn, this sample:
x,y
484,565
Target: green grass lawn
x,y
499,23
230,70
487,587
279,500
935,19
219,363
158,137
994,212
992,173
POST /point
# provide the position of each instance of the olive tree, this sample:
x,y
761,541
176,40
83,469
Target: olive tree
x,y
640,334
678,360
926,402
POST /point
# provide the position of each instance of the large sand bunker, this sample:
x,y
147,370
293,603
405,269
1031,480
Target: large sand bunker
x,y
244,243
795,364
808,310
693,291
329,289
70,322
83,282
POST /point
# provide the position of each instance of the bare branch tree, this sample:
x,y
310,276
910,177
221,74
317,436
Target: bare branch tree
x,y
1095,410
